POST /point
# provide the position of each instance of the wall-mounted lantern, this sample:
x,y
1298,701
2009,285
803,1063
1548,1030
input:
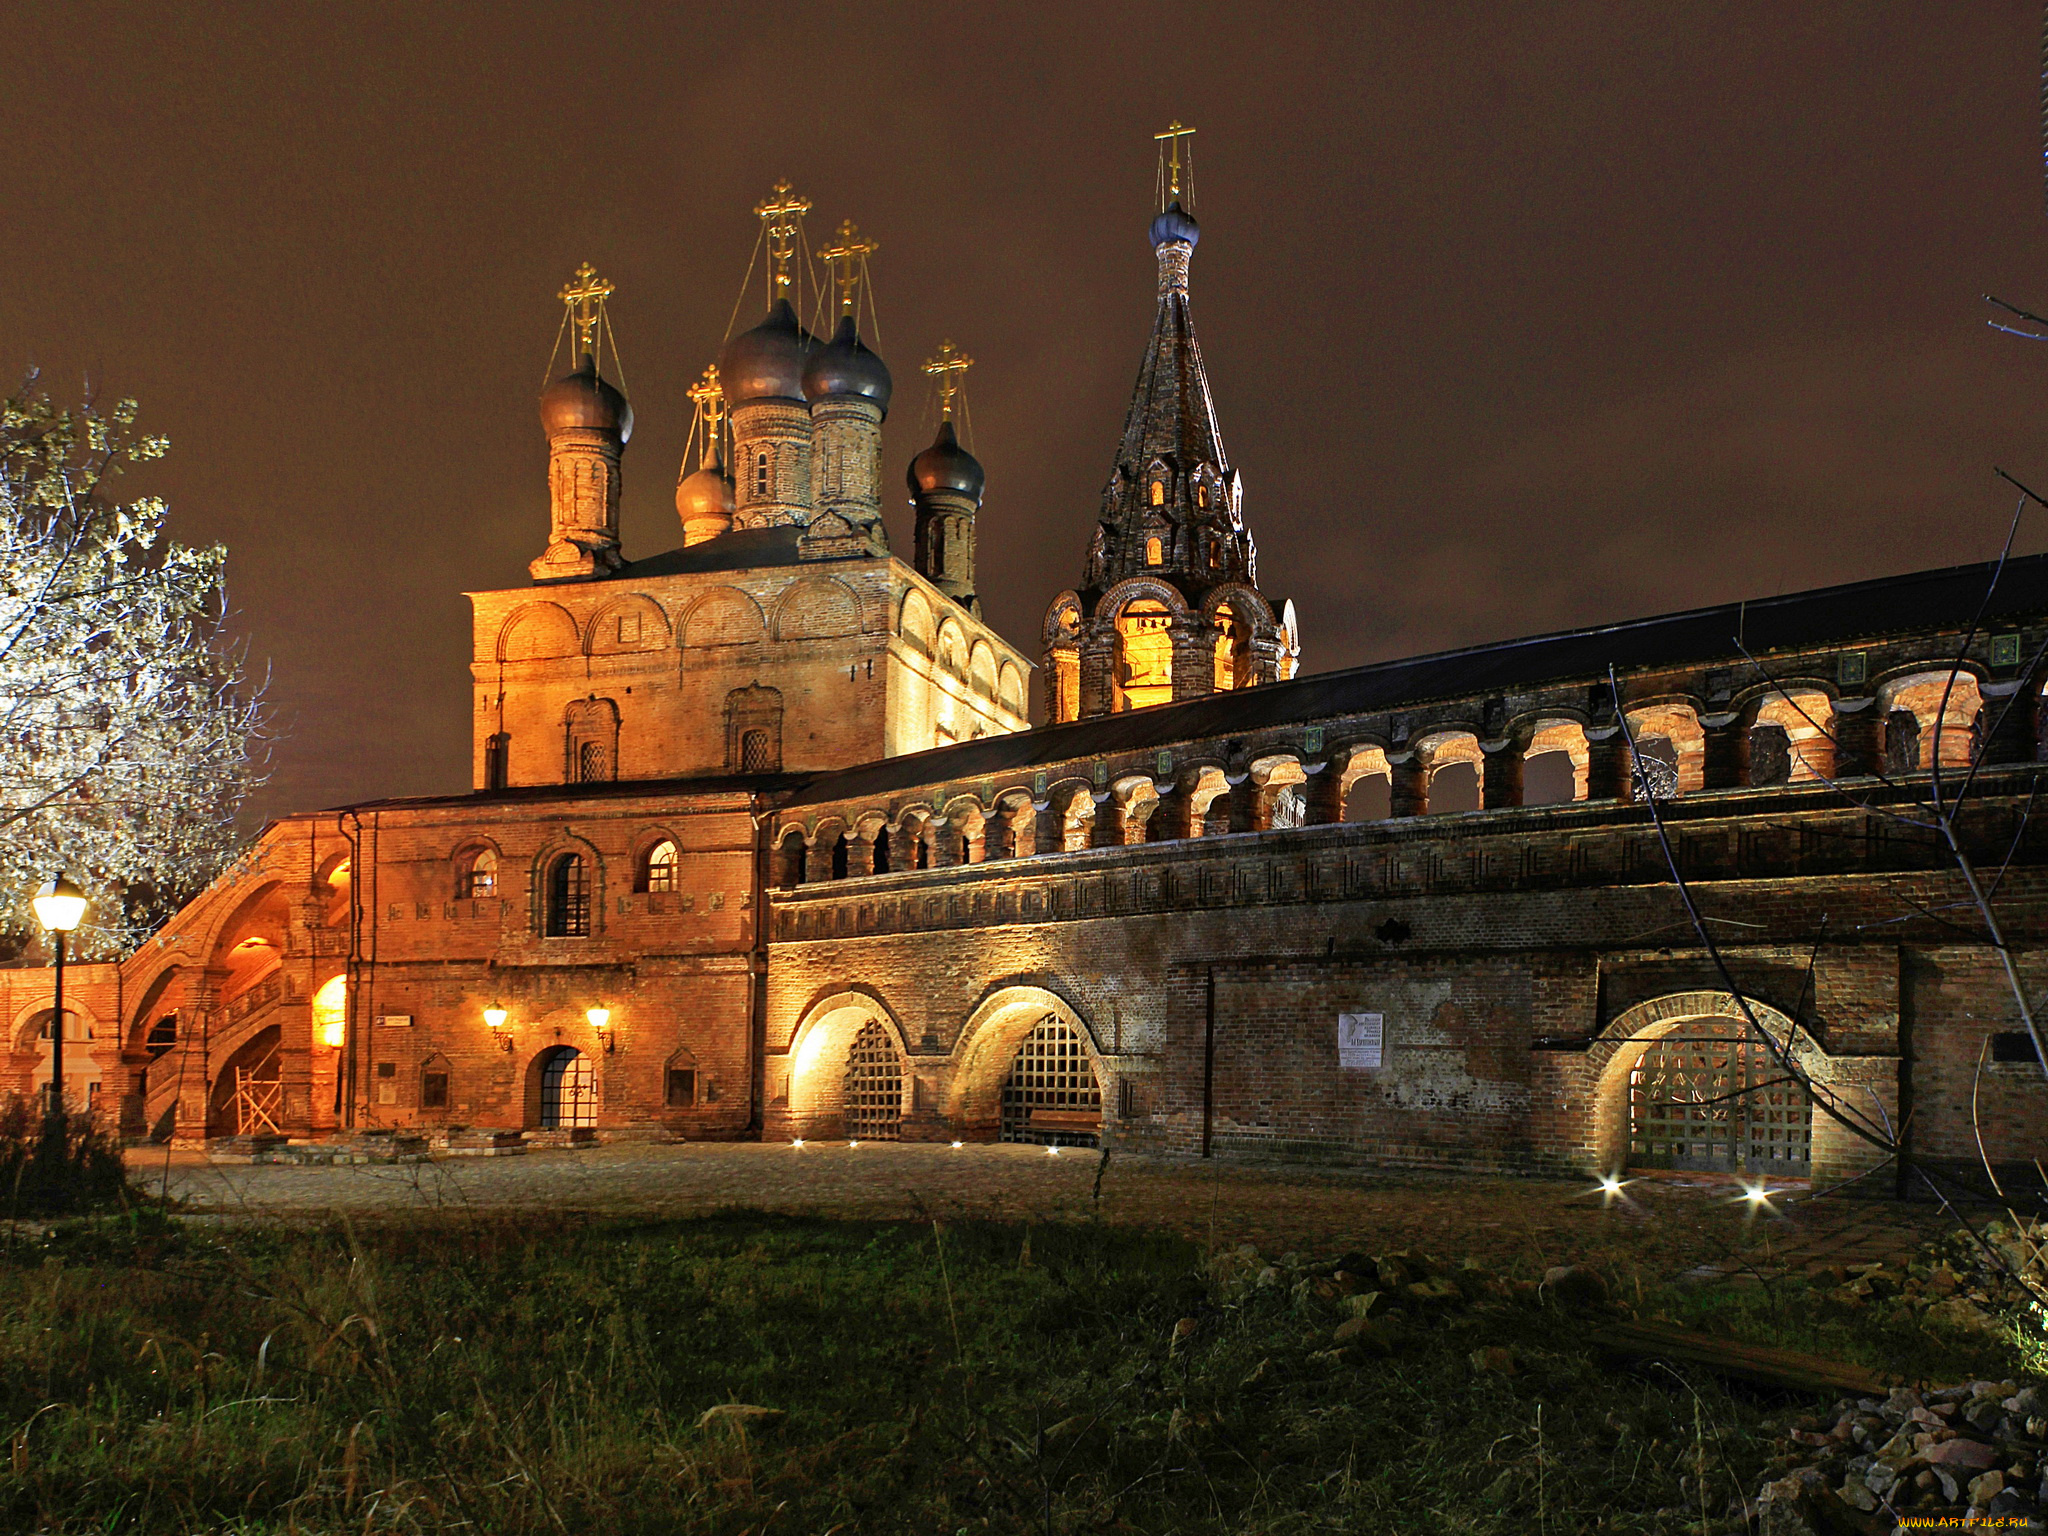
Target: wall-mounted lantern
x,y
601,1021
496,1017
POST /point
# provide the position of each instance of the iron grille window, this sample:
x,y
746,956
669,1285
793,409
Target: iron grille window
x,y
874,1086
754,752
1051,1097
569,898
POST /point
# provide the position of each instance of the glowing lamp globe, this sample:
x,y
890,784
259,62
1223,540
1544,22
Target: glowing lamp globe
x,y
60,905
495,1016
599,1017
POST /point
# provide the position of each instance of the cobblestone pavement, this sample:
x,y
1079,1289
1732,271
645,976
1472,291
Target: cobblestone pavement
x,y
1670,1225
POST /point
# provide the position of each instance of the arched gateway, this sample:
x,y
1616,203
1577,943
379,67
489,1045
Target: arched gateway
x,y
1689,1085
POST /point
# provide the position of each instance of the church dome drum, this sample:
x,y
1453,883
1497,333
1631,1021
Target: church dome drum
x,y
704,502
580,399
946,466
844,367
767,363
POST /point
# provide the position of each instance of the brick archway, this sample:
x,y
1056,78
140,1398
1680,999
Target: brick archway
x,y
1622,1043
813,1085
988,1047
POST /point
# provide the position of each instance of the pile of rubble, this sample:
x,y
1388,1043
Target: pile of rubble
x,y
1951,1282
1976,1452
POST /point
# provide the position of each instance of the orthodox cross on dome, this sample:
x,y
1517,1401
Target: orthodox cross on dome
x,y
847,260
780,219
947,368
1170,162
584,297
708,396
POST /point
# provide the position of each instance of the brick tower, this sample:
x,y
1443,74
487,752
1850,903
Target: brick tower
x,y
1169,608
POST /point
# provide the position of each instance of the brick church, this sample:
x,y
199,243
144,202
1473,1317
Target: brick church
x,y
762,842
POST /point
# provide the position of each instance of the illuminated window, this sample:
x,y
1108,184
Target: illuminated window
x,y
479,877
1215,555
1153,552
761,474
1158,493
1233,650
658,869
1202,494
568,910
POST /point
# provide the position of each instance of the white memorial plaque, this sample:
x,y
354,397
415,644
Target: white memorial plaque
x,y
1360,1040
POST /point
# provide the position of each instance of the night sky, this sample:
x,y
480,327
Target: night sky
x,y
1518,318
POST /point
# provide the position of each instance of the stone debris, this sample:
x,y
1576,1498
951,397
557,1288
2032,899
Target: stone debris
x,y
1974,1452
1950,1283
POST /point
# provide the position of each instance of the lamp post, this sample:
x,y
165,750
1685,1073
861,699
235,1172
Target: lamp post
x,y
59,906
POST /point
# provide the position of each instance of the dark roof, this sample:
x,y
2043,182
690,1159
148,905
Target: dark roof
x,y
610,789
740,550
1891,605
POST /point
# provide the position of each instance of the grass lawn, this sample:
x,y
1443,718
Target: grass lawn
x,y
528,1375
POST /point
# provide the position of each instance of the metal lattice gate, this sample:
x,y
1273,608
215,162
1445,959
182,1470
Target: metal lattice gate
x,y
1710,1096
1051,1097
874,1086
568,1091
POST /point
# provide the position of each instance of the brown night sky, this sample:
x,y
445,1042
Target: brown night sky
x,y
1518,318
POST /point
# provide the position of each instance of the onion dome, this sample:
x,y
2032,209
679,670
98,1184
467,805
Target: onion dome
x,y
946,466
704,502
844,367
767,363
581,399
1175,224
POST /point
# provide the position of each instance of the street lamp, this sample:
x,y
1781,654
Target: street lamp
x,y
494,1017
601,1021
59,906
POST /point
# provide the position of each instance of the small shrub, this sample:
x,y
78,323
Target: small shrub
x,y
45,1171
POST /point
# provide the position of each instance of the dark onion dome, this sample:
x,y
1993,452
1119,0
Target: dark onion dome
x,y
581,399
844,367
704,500
946,466
1175,224
766,363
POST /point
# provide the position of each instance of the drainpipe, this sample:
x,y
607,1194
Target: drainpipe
x,y
1209,1062
757,976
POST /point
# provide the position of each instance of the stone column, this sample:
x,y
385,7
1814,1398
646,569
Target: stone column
x,y
1408,784
1169,819
860,855
944,838
1244,804
1045,827
818,861
903,848
1721,767
1266,657
2009,722
1194,658
1608,763
1323,795
1097,659
1858,753
1107,830
1500,773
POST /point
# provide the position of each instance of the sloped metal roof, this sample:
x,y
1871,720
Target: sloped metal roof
x,y
1841,615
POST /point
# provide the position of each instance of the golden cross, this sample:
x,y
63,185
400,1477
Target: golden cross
x,y
847,260
947,368
779,216
708,395
585,295
1173,135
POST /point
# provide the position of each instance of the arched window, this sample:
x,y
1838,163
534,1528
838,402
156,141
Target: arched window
x,y
882,851
1153,551
1202,494
478,875
434,1083
568,907
1215,555
761,474
839,858
589,762
498,761
1143,672
163,1035
657,870
1158,493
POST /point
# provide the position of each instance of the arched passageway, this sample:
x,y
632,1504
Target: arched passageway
x,y
1050,1096
872,1094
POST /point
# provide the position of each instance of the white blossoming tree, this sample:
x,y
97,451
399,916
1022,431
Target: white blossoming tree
x,y
129,732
